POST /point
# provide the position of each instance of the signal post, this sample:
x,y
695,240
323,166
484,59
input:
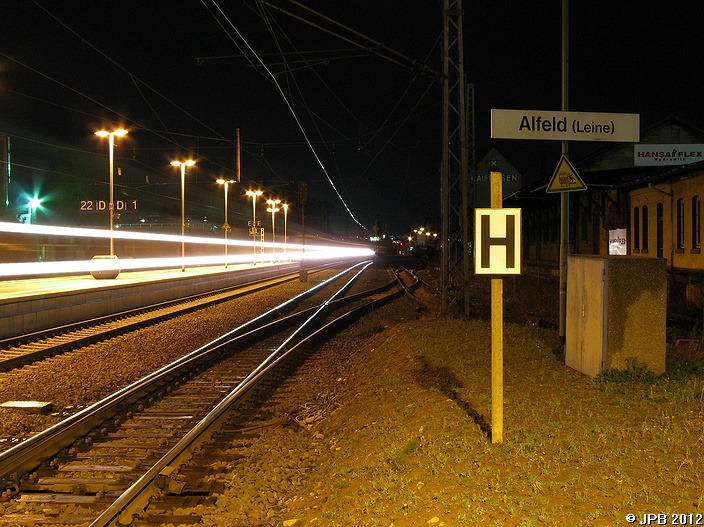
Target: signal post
x,y
498,252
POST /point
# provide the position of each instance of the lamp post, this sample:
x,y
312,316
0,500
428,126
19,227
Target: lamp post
x,y
273,209
226,226
33,205
285,207
111,204
183,165
254,194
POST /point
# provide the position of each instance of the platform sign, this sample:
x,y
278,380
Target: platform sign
x,y
565,126
497,239
565,178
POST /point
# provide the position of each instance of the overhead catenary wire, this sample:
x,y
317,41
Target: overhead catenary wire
x,y
392,55
365,140
376,48
291,109
177,138
166,135
315,118
122,68
408,63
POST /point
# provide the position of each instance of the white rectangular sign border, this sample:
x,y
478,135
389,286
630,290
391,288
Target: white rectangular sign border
x,y
506,124
477,241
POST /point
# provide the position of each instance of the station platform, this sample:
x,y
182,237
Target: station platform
x,y
33,304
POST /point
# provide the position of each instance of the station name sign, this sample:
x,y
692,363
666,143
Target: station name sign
x,y
565,126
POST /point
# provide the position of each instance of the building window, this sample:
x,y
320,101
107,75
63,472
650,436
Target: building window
x,y
696,224
544,227
584,220
660,230
636,229
644,229
680,225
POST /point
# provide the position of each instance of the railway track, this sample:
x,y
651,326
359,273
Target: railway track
x,y
21,350
156,441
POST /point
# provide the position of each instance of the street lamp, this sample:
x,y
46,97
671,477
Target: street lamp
x,y
254,194
285,207
111,204
420,232
273,209
226,226
183,165
33,205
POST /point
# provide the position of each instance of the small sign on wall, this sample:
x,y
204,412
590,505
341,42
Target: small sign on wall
x,y
618,241
667,154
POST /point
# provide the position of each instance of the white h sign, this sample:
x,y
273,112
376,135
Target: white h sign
x,y
497,241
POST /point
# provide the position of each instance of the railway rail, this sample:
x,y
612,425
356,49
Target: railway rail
x,y
21,350
106,464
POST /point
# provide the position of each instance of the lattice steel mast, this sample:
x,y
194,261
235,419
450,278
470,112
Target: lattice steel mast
x,y
454,173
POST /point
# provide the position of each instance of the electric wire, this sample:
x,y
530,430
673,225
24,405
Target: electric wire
x,y
291,79
171,136
293,113
417,69
167,136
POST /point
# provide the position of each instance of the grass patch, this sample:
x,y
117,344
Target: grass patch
x,y
398,459
576,451
634,371
368,332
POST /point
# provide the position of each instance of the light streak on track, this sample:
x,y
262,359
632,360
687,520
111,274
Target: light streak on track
x,y
294,252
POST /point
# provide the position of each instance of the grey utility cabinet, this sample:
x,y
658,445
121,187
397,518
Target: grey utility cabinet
x,y
616,313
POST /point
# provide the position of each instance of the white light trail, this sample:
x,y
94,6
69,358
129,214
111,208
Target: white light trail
x,y
295,252
24,228
133,264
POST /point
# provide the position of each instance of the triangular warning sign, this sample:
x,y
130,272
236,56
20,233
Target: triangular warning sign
x,y
565,178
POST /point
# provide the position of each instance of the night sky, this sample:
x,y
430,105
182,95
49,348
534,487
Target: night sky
x,y
183,76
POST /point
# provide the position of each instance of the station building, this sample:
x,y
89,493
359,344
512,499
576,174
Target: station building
x,y
642,199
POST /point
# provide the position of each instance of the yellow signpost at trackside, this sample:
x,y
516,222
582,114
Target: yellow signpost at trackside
x,y
497,238
497,334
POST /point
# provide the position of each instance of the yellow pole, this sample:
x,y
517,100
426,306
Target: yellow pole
x,y
183,216
497,334
564,196
226,226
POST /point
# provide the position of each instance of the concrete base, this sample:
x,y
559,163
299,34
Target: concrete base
x,y
104,274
